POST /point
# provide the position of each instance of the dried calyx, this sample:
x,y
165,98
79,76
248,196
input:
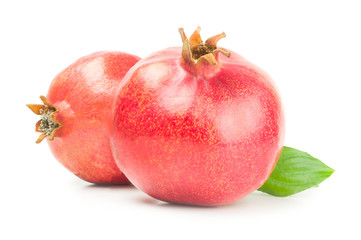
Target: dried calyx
x,y
47,125
195,51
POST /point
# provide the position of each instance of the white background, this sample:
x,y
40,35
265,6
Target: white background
x,y
312,49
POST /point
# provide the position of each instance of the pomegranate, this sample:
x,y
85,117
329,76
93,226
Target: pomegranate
x,y
197,124
76,115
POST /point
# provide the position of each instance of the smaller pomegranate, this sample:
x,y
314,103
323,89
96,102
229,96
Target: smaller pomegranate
x,y
75,116
197,124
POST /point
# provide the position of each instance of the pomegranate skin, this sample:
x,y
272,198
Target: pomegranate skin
x,y
206,136
83,93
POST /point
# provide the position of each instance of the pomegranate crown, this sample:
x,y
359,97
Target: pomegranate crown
x,y
47,125
195,51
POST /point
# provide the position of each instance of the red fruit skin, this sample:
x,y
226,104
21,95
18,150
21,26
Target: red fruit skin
x,y
205,138
83,93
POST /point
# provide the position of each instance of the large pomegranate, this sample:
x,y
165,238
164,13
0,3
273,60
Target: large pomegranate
x,y
197,125
76,115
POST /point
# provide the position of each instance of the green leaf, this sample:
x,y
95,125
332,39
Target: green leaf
x,y
295,172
